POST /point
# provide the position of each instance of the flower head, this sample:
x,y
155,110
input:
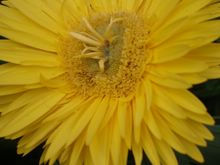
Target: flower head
x,y
93,79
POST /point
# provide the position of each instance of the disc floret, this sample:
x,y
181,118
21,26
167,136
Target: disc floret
x,y
106,55
96,46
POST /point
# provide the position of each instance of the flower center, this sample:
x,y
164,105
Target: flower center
x,y
97,46
106,55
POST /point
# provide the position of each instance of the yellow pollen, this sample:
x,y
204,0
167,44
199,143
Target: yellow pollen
x,y
106,55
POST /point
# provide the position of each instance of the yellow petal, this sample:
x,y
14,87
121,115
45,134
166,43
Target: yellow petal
x,y
27,56
202,118
168,135
199,35
166,104
3,108
88,158
41,133
192,150
138,153
84,119
208,54
137,132
163,10
185,99
5,119
208,13
64,156
33,112
20,75
42,157
116,143
110,112
128,129
8,99
140,106
57,82
209,50
98,117
150,121
123,155
9,90
148,93
193,78
34,12
77,149
28,39
17,21
100,148
122,108
162,33
22,100
150,8
73,11
169,80
165,152
25,150
169,52
201,130
183,129
66,110
52,8
179,66
212,73
187,8
148,143
59,138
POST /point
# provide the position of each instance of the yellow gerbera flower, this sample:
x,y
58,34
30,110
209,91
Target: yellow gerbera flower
x,y
94,79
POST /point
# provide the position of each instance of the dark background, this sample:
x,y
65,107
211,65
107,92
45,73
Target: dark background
x,y
208,92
